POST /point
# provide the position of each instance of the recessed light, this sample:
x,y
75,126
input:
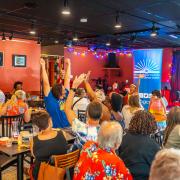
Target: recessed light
x,y
108,44
117,26
83,20
56,41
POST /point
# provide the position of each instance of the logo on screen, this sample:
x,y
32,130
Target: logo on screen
x,y
146,66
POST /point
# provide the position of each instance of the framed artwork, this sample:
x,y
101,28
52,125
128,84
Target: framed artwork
x,y
1,58
19,60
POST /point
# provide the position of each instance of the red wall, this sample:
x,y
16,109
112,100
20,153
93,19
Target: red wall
x,y
29,75
82,64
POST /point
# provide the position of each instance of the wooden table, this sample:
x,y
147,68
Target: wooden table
x,y
12,151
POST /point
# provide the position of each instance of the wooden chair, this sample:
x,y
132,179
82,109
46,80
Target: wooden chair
x,y
82,115
67,161
6,122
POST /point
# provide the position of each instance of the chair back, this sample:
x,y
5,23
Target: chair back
x,y
6,124
66,161
82,115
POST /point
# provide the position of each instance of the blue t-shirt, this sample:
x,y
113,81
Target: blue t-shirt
x,y
56,110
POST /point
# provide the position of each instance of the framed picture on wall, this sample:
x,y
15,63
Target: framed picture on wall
x,y
1,59
19,60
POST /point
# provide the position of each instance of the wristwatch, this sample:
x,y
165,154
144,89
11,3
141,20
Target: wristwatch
x,y
73,89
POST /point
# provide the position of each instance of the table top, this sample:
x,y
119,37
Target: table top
x,y
14,150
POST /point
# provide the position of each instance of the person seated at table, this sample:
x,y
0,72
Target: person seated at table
x,y
16,106
166,165
80,101
158,109
137,149
97,97
47,143
98,160
17,86
116,101
2,99
56,96
85,131
172,131
129,110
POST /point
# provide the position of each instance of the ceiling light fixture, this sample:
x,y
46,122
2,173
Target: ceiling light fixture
x,y
118,24
108,44
56,41
75,38
32,30
173,36
66,9
11,36
154,31
83,20
3,36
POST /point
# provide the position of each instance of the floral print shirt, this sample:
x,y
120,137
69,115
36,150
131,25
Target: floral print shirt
x,y
96,163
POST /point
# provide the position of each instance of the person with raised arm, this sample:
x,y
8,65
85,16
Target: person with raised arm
x,y
56,96
106,115
85,131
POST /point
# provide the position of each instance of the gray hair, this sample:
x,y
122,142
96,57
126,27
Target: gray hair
x,y
110,135
166,165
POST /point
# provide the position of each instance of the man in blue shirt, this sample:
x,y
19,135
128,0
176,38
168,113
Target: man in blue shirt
x,y
56,96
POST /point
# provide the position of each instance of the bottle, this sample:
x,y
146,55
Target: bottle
x,y
15,130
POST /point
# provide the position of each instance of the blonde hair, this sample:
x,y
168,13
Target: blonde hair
x,y
166,165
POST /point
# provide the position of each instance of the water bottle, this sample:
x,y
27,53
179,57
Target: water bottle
x,y
15,129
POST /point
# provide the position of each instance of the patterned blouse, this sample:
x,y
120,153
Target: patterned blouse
x,y
96,163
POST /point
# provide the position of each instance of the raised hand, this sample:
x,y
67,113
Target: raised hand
x,y
86,79
42,62
78,80
67,61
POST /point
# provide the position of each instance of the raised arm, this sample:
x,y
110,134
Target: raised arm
x,y
69,102
46,85
139,81
88,87
67,74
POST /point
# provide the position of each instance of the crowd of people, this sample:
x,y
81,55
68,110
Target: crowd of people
x,y
116,137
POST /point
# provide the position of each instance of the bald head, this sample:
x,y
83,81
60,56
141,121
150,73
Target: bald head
x,y
110,135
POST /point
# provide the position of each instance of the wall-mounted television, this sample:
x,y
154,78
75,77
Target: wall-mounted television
x,y
19,60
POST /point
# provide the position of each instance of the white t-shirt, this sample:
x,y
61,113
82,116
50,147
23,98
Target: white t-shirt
x,y
128,114
2,98
85,131
80,105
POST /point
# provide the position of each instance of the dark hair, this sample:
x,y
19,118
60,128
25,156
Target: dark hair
x,y
57,90
116,102
156,93
134,101
41,120
143,122
80,91
173,118
17,83
94,110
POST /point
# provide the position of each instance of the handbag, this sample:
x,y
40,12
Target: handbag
x,y
47,172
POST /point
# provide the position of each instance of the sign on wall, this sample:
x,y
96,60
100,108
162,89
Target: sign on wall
x,y
1,58
149,63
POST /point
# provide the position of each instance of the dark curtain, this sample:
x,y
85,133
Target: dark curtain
x,y
175,74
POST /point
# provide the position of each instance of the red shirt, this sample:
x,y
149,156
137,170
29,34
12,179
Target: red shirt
x,y
100,164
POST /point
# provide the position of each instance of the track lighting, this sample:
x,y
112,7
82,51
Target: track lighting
x,y
32,30
154,31
75,38
11,36
39,40
118,24
3,36
66,9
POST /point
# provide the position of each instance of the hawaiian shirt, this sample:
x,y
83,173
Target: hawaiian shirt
x,y
20,107
96,163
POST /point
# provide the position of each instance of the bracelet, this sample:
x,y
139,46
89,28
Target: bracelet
x,y
73,89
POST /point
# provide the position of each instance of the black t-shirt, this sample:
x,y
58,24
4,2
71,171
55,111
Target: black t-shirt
x,y
44,149
138,151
